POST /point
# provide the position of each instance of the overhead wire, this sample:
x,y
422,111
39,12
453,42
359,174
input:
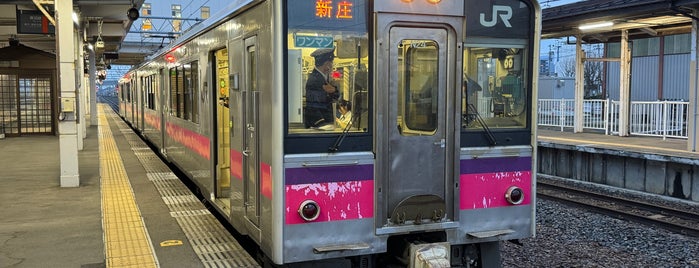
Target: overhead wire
x,y
195,10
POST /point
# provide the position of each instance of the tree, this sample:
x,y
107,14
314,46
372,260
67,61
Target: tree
x,y
593,78
592,73
567,67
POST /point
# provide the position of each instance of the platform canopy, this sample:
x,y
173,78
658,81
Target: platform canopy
x,y
25,21
605,19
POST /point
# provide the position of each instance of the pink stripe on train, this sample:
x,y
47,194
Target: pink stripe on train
x,y
487,190
347,200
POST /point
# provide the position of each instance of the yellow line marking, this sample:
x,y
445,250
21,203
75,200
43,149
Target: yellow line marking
x,y
169,243
619,145
126,242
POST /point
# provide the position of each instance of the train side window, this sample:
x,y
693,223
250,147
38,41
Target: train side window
x,y
190,91
175,92
144,89
149,82
180,92
195,91
128,91
154,90
494,90
187,91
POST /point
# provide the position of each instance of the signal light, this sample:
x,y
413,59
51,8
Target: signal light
x,y
514,195
309,210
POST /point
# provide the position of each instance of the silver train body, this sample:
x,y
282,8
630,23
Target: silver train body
x,y
439,155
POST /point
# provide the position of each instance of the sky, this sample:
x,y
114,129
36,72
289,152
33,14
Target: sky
x,y
561,50
189,9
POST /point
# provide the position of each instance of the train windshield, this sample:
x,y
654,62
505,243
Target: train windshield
x,y
328,66
494,88
496,80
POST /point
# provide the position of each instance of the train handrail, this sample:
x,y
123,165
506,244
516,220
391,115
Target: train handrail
x,y
331,164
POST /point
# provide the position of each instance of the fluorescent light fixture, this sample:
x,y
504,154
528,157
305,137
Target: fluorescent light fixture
x,y
595,25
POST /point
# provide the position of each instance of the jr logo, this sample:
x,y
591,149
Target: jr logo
x,y
505,13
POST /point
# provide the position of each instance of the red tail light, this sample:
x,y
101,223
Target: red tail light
x,y
309,210
514,195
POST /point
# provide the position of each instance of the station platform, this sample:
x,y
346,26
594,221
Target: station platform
x,y
130,210
670,147
650,165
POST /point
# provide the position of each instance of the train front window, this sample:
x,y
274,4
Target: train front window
x,y
494,91
328,66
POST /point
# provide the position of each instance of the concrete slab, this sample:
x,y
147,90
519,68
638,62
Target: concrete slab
x,y
42,224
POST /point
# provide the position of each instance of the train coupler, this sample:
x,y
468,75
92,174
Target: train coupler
x,y
430,255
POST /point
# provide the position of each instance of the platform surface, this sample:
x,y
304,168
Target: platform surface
x,y
129,210
640,144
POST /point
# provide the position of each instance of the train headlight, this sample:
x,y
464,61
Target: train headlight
x,y
514,195
309,210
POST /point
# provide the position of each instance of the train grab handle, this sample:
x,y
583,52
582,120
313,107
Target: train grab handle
x,y
332,164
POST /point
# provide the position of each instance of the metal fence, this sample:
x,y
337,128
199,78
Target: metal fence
x,y
647,118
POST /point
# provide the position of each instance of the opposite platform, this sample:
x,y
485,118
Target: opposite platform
x,y
670,147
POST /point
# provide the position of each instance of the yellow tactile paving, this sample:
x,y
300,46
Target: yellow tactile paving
x,y
126,240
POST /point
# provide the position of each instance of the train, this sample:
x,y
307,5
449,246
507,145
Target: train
x,y
436,167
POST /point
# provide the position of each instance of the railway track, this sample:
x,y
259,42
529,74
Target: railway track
x,y
672,219
113,102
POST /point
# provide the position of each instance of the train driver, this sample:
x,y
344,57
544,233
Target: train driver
x,y
320,93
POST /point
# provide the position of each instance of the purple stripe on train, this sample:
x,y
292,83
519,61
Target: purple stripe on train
x,y
305,175
500,164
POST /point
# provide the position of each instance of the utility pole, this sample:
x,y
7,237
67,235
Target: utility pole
x,y
550,65
558,51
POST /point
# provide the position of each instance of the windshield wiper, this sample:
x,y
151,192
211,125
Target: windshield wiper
x,y
336,145
472,111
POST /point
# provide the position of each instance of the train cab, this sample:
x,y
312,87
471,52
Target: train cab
x,y
354,133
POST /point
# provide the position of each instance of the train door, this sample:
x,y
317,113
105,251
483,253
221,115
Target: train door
x,y
418,131
162,106
251,108
132,99
142,89
222,126
136,101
